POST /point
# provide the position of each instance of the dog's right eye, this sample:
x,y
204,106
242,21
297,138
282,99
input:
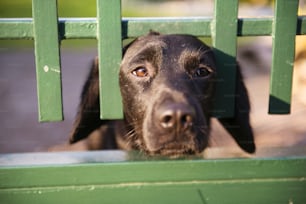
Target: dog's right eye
x,y
140,72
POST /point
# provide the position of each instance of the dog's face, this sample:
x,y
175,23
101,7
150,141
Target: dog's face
x,y
167,84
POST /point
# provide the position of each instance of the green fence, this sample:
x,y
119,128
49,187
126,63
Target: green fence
x,y
181,181
109,29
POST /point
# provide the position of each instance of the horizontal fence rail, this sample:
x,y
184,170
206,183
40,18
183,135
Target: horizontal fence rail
x,y
109,29
86,28
182,181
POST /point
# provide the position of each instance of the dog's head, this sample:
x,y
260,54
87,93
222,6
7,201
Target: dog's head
x,y
167,85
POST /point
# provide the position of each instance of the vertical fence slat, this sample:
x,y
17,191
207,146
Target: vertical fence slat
x,y
224,36
47,58
283,35
110,55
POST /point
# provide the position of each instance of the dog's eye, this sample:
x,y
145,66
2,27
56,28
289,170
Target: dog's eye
x,y
202,71
140,72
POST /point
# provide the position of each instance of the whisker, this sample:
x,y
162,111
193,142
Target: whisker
x,y
132,139
129,136
206,131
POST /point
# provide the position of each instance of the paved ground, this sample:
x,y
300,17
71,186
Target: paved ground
x,y
20,131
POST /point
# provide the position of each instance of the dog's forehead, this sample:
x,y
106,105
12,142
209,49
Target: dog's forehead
x,y
182,42
142,44
171,44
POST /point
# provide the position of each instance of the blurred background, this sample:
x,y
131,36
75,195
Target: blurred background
x,y
20,130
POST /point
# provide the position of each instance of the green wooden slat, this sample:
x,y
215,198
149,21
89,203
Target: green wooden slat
x,y
224,32
283,50
134,27
130,172
158,182
283,191
74,28
21,28
47,58
301,26
110,55
254,26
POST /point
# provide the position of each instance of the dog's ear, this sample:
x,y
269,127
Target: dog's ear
x,y
239,126
88,116
153,32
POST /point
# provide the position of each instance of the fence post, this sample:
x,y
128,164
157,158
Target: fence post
x,y
47,57
283,52
110,55
224,35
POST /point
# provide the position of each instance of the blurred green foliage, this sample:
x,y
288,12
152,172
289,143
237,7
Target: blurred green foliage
x,y
75,8
66,8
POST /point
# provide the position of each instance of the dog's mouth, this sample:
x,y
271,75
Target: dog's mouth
x,y
176,144
175,153
175,150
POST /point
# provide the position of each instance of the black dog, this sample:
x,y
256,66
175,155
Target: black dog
x,y
167,86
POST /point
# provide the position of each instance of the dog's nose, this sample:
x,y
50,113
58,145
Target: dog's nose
x,y
176,116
